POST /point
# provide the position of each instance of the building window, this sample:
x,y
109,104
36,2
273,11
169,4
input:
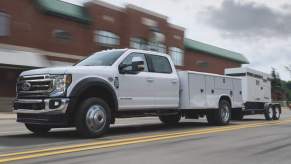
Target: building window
x,y
138,43
62,34
4,24
177,55
202,63
106,38
159,47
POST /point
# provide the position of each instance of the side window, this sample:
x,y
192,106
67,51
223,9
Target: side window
x,y
160,64
128,60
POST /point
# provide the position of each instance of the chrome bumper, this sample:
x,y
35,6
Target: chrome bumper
x,y
43,106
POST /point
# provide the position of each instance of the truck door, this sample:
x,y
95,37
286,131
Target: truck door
x,y
165,82
136,91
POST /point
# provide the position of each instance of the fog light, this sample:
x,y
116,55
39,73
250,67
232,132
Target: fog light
x,y
53,104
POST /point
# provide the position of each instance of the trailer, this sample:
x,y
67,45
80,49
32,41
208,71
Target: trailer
x,y
256,94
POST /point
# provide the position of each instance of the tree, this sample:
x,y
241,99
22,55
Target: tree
x,y
278,92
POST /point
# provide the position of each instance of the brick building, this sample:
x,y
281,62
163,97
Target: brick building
x,y
41,33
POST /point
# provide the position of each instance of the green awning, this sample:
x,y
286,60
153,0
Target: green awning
x,y
215,51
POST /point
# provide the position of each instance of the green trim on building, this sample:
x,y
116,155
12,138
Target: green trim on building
x,y
65,10
216,51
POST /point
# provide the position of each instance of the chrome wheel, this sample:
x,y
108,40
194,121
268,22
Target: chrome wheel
x,y
225,113
276,113
96,118
270,113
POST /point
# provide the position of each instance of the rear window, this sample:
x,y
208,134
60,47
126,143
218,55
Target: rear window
x,y
160,64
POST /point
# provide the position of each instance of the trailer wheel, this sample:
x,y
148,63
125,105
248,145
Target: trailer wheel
x,y
269,113
38,129
93,117
276,112
222,115
237,115
170,119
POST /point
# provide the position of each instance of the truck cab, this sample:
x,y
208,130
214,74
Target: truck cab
x,y
122,82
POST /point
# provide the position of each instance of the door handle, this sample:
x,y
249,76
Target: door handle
x,y
201,90
150,80
174,82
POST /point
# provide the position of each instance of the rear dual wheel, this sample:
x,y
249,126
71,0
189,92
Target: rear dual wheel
x,y
220,116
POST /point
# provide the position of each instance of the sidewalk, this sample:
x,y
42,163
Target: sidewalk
x,y
7,116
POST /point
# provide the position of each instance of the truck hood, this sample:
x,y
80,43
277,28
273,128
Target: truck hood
x,y
70,70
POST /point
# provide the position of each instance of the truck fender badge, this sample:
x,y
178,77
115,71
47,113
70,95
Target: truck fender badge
x,y
26,86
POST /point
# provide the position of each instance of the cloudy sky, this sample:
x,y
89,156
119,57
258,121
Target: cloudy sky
x,y
259,29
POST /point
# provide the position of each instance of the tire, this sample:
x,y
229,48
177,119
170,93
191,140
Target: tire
x,y
237,115
170,119
269,113
93,118
222,115
38,129
276,112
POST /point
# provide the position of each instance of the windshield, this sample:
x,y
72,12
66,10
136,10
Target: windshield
x,y
104,58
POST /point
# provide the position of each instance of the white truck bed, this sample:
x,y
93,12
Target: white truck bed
x,y
203,90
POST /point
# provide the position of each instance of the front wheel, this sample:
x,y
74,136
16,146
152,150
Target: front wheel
x,y
38,129
93,117
170,119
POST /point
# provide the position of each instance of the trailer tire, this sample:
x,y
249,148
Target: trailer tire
x,y
93,118
269,113
38,129
170,119
276,112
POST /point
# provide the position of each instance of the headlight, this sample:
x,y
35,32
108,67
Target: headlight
x,y
60,84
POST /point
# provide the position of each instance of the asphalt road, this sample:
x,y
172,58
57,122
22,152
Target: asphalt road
x,y
146,140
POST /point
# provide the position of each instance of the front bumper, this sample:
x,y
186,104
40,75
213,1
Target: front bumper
x,y
41,106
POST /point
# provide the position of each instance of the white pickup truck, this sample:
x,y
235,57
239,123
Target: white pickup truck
x,y
127,83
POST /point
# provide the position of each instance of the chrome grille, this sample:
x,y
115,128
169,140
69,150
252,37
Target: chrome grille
x,y
34,86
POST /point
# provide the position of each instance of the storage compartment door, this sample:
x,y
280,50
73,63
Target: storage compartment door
x,y
197,91
223,83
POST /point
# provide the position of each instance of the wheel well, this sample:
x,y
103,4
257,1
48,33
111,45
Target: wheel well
x,y
226,98
100,92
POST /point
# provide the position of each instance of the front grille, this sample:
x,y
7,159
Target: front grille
x,y
30,106
34,86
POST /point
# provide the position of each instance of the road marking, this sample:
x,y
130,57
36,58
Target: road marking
x,y
121,142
